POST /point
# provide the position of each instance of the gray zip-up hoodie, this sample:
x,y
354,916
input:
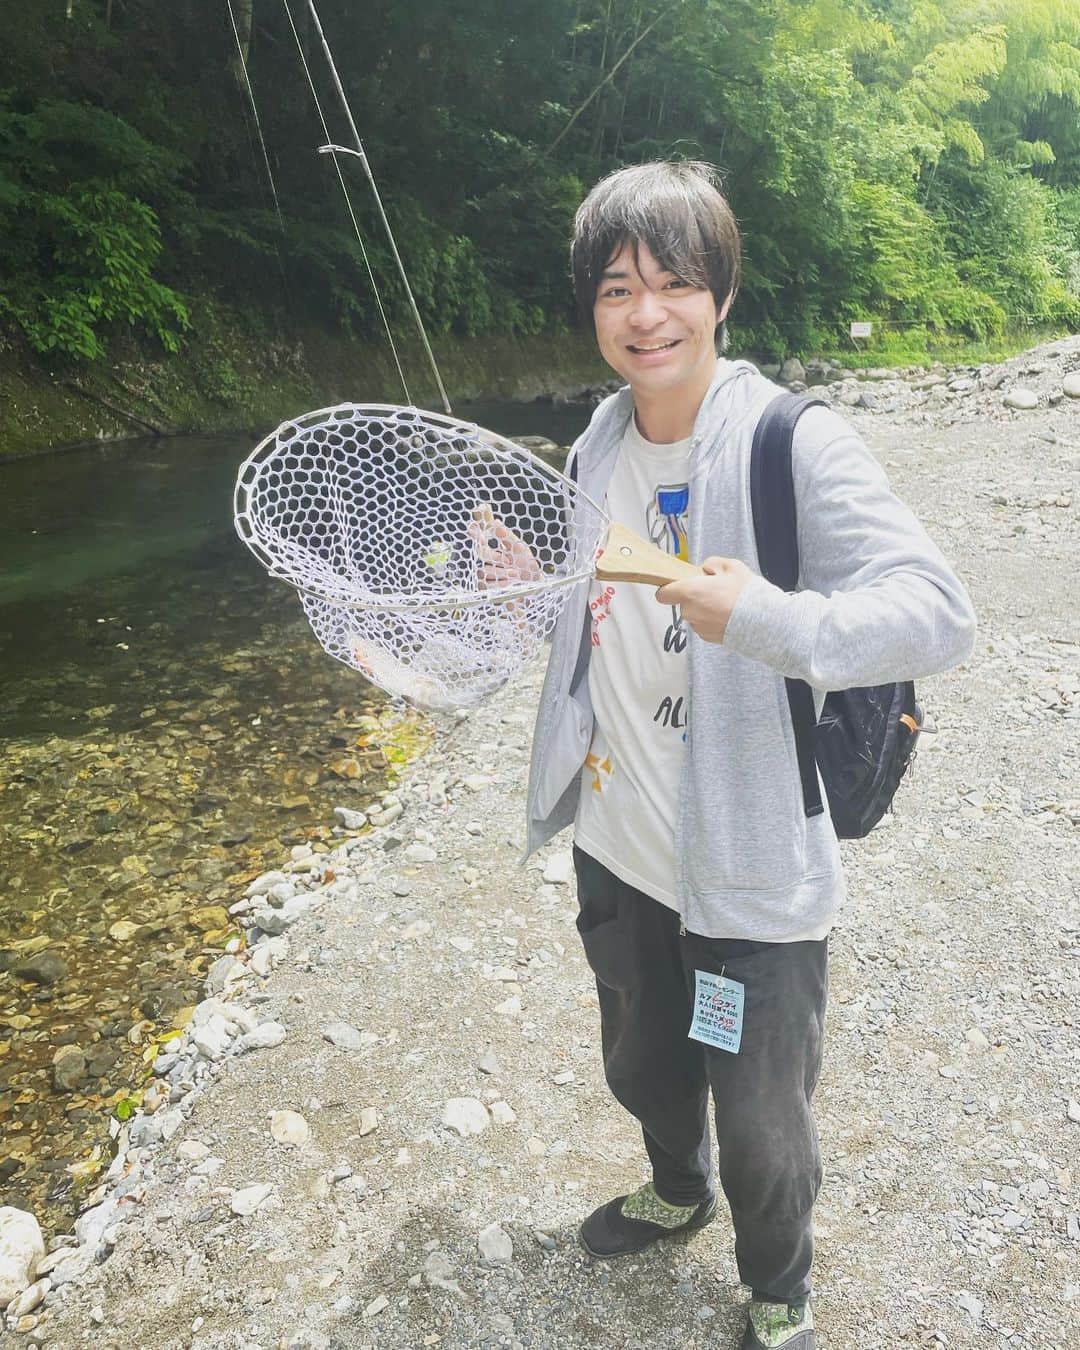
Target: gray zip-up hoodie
x,y
876,602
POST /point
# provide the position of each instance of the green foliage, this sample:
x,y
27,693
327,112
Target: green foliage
x,y
913,162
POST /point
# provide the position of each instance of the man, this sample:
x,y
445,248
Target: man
x,y
663,736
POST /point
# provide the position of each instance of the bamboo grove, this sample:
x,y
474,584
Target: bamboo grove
x,y
912,162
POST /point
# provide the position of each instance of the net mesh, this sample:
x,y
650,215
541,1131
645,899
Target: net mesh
x,y
431,556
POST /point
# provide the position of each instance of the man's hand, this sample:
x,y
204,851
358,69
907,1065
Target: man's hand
x,y
706,602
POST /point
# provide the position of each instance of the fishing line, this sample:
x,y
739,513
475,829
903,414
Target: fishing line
x,y
332,150
362,156
255,114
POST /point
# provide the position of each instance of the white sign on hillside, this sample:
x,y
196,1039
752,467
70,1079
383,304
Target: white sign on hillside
x,y
861,329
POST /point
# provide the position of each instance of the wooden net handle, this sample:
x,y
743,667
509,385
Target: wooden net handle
x,y
627,557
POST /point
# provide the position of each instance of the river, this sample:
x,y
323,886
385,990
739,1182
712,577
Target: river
x,y
169,727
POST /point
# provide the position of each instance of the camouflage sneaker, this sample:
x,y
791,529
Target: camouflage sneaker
x,y
630,1223
769,1325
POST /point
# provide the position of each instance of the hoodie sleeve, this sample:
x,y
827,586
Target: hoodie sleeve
x,y
876,601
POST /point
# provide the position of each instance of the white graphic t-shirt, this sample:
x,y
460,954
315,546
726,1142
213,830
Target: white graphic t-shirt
x,y
638,683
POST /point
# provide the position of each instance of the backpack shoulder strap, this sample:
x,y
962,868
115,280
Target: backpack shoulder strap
x,y
772,498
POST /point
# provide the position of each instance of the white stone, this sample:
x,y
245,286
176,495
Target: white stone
x,y
1022,399
439,1271
21,1247
262,884
976,1039
502,1113
462,944
421,853
1073,1111
343,1035
262,959
510,1007
376,1306
30,1298
264,1037
352,820
193,1150
369,1120
90,1225
289,1127
466,1115
418,929
559,869
495,1245
248,1199
212,1040
1071,384
477,782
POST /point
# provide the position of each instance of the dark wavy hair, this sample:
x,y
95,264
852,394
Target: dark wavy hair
x,y
676,209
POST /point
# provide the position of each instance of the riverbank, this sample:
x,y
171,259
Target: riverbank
x,y
233,376
425,1009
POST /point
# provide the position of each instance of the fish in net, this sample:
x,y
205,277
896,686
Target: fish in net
x,y
430,555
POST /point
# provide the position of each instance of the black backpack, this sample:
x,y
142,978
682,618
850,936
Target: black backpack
x,y
865,739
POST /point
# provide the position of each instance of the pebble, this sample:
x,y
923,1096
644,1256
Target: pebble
x,y
247,1199
262,884
439,1272
30,1298
1071,384
466,1115
559,869
265,1036
376,1306
351,820
1073,1111
343,1035
1022,399
369,1120
489,1063
420,853
289,1127
502,1113
495,1245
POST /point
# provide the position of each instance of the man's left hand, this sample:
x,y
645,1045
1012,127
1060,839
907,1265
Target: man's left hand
x,y
706,602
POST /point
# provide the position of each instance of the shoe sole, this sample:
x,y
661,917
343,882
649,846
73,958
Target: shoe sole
x,y
692,1227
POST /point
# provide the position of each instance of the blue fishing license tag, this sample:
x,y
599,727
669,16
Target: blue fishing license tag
x,y
718,1011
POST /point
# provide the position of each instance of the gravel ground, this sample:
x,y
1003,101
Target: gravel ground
x,y
948,1106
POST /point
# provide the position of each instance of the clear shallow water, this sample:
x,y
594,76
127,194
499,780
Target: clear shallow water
x,y
168,726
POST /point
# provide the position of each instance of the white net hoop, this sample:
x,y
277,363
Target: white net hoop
x,y
431,556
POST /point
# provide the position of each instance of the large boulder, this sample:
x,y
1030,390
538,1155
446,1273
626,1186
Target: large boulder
x,y
21,1248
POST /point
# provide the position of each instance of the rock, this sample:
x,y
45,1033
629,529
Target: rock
x,y
976,1039
418,929
559,869
477,782
262,884
1022,399
564,1077
369,1120
466,1115
1071,384
193,1150
386,816
123,930
343,1035
1073,1111
376,1306
792,369
30,1298
289,1127
502,1113
224,973
91,1223
275,921
213,1038
544,1240
47,1263
73,1267
510,1007
421,853
439,1272
489,1063
41,968
248,1199
21,1247
69,1068
209,918
351,820
495,1245
264,1037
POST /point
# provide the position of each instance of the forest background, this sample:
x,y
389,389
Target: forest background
x,y
915,163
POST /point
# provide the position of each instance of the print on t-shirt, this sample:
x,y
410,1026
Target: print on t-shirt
x,y
665,517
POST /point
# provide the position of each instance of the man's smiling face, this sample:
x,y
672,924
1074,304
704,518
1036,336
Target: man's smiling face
x,y
654,329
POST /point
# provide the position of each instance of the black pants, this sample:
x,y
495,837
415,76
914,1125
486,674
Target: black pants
x,y
770,1165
